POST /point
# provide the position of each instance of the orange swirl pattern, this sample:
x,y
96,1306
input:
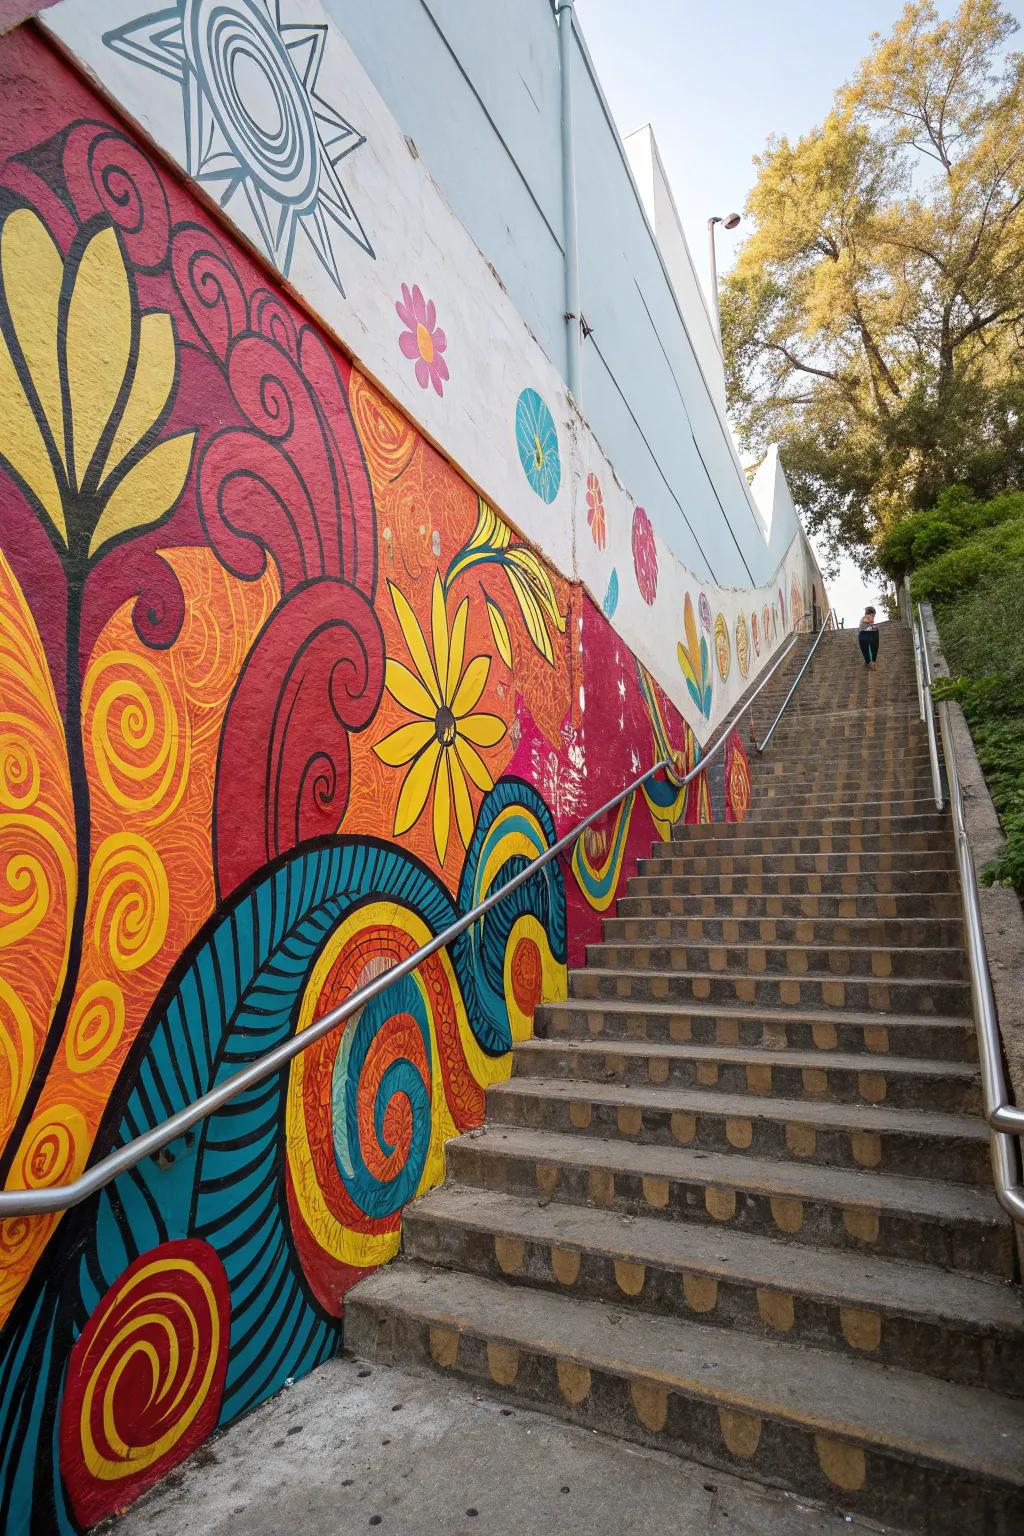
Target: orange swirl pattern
x,y
37,867
145,1377
151,725
54,1151
389,439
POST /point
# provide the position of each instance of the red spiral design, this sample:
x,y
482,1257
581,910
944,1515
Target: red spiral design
x,y
145,1377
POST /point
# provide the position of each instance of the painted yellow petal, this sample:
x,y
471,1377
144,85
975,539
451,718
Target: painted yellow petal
x,y
682,656
482,730
416,789
439,634
97,344
148,491
417,645
457,651
407,689
499,629
690,626
472,686
22,445
474,764
33,271
402,745
151,385
463,804
442,808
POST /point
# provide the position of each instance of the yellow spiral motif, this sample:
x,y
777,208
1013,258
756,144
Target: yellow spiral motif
x,y
22,1240
34,858
139,745
19,770
24,896
145,1377
95,1027
173,1379
54,1148
16,1050
130,900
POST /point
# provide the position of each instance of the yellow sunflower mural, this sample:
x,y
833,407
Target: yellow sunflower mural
x,y
440,744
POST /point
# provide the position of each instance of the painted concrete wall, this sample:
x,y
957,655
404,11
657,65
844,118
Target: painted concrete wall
x,y
282,697
349,214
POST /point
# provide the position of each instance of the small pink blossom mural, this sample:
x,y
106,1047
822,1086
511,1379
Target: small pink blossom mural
x,y
423,341
645,556
595,511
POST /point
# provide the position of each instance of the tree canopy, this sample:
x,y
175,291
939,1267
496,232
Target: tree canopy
x,y
873,324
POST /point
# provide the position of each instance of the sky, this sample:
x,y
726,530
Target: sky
x,y
714,81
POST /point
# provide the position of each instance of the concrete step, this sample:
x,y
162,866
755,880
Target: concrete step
x,y
957,1327
892,1445
859,1135
815,905
771,802
926,1221
865,932
820,1029
851,1077
743,839
796,760
830,825
812,989
905,883
786,861
783,958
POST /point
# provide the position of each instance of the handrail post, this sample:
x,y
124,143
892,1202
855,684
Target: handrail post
x,y
918,674
929,715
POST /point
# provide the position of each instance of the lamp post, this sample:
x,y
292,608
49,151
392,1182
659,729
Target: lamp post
x,y
730,221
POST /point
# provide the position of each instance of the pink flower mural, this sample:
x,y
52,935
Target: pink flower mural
x,y
595,510
645,556
423,341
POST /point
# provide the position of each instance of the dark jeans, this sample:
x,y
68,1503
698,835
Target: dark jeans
x,y
869,644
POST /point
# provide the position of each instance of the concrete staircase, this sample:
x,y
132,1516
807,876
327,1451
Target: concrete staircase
x,y
734,1202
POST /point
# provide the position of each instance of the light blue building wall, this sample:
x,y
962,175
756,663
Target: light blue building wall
x,y
477,87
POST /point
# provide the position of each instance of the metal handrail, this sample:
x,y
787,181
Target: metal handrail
x,y
828,624
1005,1121
60,1197
918,669
924,688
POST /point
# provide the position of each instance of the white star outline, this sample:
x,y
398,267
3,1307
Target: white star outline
x,y
212,154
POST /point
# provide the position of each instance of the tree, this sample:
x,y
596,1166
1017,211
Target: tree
x,y
873,323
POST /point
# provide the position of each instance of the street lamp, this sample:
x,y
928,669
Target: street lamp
x,y
730,221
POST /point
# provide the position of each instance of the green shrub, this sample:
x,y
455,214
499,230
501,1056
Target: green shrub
x,y
950,573
967,558
994,709
934,537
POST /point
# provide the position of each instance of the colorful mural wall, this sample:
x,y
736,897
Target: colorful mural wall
x,y
280,697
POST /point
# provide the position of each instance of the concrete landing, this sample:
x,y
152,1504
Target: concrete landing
x,y
355,1447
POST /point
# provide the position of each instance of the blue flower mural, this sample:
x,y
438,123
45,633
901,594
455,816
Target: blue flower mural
x,y
537,441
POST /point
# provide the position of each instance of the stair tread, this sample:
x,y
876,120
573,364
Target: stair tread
x,y
711,1101
773,976
917,1416
846,1061
854,1279
767,1176
752,1010
780,946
